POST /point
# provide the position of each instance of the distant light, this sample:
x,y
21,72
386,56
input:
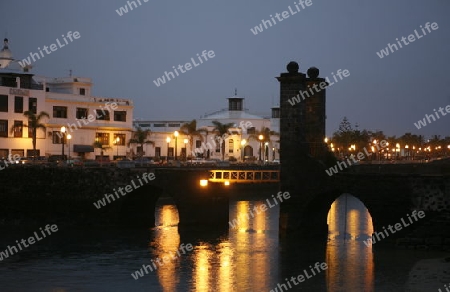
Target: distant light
x,y
203,182
227,183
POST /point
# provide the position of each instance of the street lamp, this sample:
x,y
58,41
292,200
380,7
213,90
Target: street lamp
x,y
261,138
176,139
168,142
63,131
397,150
117,146
266,151
243,142
68,142
185,147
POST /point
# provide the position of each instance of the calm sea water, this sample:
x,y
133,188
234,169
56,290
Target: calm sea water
x,y
251,257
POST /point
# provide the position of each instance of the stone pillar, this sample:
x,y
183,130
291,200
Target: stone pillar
x,y
302,133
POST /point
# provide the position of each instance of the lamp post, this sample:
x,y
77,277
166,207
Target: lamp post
x,y
243,142
68,142
261,138
176,139
168,142
397,146
117,146
185,147
63,131
266,151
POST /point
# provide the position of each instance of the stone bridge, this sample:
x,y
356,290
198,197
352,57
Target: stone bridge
x,y
34,195
390,192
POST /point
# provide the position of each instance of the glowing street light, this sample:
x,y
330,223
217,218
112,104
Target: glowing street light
x,y
261,138
63,132
168,143
243,142
185,146
68,142
117,146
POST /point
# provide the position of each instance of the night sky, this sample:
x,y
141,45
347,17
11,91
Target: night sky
x,y
124,54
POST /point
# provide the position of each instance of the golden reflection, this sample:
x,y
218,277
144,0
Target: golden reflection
x,y
252,245
202,269
224,280
353,224
350,266
167,241
243,216
350,262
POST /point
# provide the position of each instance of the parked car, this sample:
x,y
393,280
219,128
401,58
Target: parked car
x,y
125,163
143,161
90,163
75,161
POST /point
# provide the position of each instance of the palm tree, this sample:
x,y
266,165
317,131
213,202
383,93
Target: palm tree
x,y
222,129
190,129
34,123
266,133
140,137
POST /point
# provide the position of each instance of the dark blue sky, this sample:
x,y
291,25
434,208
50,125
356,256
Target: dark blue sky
x,y
124,54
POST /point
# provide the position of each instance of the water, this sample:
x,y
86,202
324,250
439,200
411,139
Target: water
x,y
251,257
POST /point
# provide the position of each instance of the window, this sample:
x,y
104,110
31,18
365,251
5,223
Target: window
x,y
218,145
30,153
32,105
251,130
121,139
3,128
103,138
102,115
57,137
157,151
18,104
19,152
4,153
18,129
60,112
230,146
82,91
174,125
170,154
144,125
159,125
81,113
3,103
198,144
120,116
276,113
30,131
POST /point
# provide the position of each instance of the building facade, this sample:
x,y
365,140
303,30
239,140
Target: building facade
x,y
68,101
241,141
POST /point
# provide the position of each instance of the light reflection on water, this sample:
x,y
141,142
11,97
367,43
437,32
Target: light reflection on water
x,y
250,258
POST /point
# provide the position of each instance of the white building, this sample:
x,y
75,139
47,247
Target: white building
x,y
241,142
69,103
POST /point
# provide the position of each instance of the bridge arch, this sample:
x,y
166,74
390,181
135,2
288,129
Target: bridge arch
x,y
349,218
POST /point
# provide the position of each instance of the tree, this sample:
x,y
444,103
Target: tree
x,y
343,137
190,129
34,123
266,133
222,131
140,137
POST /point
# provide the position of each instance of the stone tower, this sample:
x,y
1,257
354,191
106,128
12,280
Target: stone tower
x,y
302,133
